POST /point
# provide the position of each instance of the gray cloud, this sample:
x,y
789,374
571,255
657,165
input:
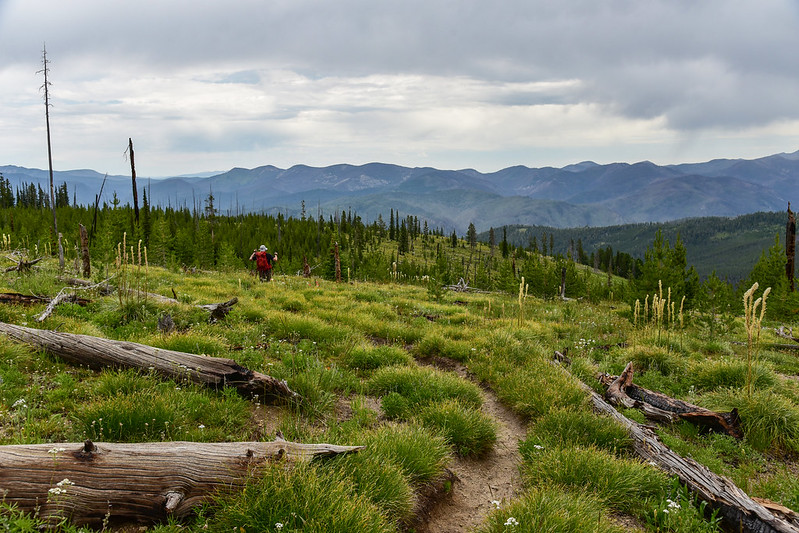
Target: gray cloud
x,y
407,79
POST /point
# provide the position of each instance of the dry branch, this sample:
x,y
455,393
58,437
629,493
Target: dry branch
x,y
91,483
100,353
656,406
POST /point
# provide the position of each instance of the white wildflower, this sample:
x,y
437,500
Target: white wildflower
x,y
495,503
64,483
20,403
278,525
511,522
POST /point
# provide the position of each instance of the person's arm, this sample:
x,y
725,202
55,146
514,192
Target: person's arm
x,y
252,256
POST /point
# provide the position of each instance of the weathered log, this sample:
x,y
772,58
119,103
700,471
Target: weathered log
x,y
17,298
23,265
59,299
658,406
97,483
738,511
100,353
220,310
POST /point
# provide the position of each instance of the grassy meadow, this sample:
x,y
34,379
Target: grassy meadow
x,y
359,354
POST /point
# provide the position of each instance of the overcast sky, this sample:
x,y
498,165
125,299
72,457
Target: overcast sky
x,y
210,85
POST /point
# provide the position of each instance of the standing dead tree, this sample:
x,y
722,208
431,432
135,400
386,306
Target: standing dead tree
x,y
97,484
790,246
46,86
133,178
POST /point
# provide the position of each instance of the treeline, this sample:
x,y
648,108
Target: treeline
x,y
30,195
406,249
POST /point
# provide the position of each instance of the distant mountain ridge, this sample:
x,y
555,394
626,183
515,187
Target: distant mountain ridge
x,y
577,195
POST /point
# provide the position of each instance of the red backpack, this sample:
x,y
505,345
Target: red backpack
x,y
262,260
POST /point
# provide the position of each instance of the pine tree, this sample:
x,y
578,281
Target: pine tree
x,y
472,235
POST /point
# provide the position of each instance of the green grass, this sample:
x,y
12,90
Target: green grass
x,y
355,353
468,430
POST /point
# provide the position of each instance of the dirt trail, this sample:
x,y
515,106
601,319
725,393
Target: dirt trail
x,y
480,481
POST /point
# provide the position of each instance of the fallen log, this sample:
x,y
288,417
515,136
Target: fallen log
x,y
738,511
100,483
657,406
17,298
60,298
99,353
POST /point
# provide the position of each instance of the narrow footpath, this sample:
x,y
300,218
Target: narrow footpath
x,y
479,482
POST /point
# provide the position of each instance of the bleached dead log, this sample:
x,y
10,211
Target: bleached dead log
x,y
60,298
738,511
105,483
99,353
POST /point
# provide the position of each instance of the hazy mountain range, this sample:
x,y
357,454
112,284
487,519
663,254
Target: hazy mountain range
x,y
583,194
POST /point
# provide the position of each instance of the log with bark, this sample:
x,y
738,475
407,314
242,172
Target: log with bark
x,y
738,511
657,406
105,483
99,353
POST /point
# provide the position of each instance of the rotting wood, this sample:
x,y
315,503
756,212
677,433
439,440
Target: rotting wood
x,y
220,310
23,265
657,406
99,353
84,251
17,298
107,483
738,511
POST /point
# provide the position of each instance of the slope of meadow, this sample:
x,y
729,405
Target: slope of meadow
x,y
439,388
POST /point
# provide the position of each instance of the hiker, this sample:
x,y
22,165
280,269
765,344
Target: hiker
x,y
263,262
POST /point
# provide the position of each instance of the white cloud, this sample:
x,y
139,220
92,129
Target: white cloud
x,y
441,83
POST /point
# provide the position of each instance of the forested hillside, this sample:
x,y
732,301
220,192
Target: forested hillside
x,y
728,246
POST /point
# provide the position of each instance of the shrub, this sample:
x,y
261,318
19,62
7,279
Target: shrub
x,y
731,373
301,498
368,358
421,386
551,509
575,427
420,454
769,421
468,430
621,483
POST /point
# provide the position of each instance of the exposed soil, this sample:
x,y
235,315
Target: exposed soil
x,y
478,482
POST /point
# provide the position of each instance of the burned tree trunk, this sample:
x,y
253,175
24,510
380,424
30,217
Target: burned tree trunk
x,y
790,246
84,252
100,353
133,179
657,406
92,484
